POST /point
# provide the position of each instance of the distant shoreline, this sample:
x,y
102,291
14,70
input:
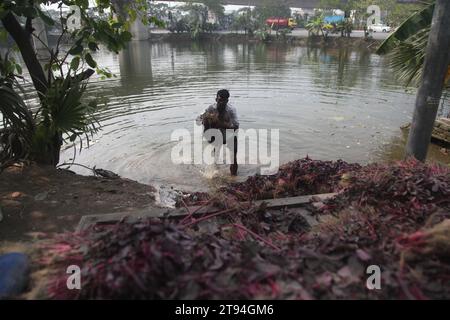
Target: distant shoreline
x,y
290,39
361,43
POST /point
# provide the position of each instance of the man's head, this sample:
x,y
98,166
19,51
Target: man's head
x,y
222,99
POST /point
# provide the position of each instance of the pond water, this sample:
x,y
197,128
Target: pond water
x,y
327,103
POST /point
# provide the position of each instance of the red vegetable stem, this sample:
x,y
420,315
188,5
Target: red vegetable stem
x,y
208,217
257,236
187,209
194,212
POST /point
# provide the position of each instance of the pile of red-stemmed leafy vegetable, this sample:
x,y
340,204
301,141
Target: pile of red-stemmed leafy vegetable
x,y
392,217
299,177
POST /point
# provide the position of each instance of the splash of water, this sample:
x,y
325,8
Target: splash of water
x,y
166,196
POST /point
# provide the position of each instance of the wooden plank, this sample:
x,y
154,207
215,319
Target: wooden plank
x,y
444,121
156,212
294,201
134,216
441,130
440,137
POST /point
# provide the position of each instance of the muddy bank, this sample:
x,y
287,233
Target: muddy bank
x,y
332,42
39,201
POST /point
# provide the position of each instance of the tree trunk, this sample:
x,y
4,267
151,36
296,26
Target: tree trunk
x,y
430,91
49,153
23,40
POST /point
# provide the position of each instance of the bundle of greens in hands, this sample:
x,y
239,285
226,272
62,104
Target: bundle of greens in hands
x,y
216,120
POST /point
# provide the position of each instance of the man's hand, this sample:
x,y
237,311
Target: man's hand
x,y
228,125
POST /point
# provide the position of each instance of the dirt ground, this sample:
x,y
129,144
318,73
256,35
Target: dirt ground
x,y
36,201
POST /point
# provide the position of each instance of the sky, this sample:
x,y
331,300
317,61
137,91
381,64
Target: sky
x,y
228,8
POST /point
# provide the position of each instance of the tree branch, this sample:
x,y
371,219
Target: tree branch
x,y
23,41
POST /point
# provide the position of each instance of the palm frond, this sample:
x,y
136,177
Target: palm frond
x,y
407,57
66,113
17,125
411,26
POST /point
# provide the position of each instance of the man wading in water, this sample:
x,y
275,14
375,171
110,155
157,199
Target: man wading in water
x,y
222,116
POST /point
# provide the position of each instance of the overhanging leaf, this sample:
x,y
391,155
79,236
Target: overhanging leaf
x,y
76,50
93,46
75,63
90,61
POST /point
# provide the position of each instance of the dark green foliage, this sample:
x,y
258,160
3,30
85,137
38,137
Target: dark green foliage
x,y
63,114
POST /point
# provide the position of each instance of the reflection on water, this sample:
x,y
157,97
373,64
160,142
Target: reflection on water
x,y
327,103
394,149
136,61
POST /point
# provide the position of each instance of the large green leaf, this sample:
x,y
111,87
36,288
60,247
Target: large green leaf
x,y
90,61
75,63
76,50
410,27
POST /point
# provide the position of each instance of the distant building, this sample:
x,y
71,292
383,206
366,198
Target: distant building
x,y
302,12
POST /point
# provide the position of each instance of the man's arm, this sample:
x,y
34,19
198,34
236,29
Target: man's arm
x,y
233,118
